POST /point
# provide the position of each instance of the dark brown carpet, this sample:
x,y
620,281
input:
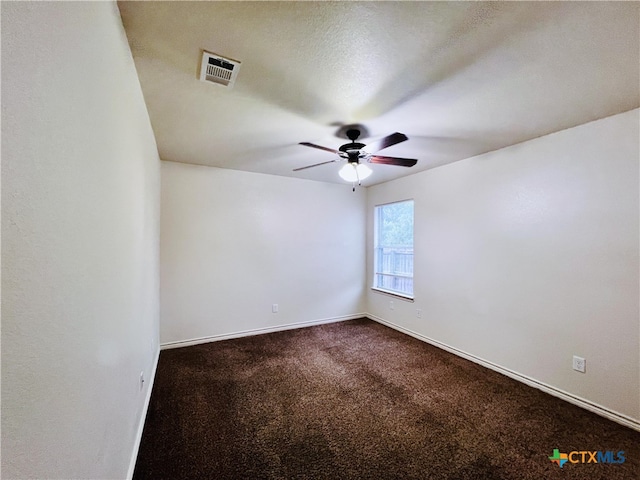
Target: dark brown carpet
x,y
357,400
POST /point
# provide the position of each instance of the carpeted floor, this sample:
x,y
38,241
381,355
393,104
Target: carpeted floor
x,y
357,400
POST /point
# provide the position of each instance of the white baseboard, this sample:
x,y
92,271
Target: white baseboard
x,y
258,331
143,417
551,390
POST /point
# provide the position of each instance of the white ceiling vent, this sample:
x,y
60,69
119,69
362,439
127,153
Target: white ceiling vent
x,y
217,69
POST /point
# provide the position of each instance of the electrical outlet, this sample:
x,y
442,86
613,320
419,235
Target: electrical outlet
x,y
418,313
141,380
391,307
274,308
579,364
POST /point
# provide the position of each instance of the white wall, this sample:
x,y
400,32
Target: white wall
x,y
234,243
80,235
528,255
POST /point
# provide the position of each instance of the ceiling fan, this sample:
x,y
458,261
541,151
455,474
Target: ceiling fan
x,y
354,152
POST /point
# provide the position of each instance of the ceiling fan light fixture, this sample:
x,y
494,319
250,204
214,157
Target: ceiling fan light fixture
x,y
354,172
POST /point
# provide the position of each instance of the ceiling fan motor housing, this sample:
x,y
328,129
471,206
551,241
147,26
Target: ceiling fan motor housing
x,y
352,151
347,147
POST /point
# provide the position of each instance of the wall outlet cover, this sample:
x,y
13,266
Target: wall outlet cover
x,y
579,364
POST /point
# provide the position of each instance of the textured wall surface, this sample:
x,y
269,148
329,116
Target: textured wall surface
x,y
529,255
80,229
234,243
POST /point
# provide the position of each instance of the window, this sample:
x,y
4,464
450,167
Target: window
x,y
393,248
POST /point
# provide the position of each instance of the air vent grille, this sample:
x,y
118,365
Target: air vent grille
x,y
218,70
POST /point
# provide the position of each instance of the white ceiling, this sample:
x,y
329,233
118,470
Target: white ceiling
x,y
458,78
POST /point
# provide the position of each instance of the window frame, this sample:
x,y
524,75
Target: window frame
x,y
374,287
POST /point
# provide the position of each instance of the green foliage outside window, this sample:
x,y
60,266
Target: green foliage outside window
x,y
396,228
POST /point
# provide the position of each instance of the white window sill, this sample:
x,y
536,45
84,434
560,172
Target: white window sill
x,y
402,296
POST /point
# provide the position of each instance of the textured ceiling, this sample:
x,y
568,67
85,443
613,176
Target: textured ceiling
x,y
458,78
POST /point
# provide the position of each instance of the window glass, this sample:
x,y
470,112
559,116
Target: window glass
x,y
393,248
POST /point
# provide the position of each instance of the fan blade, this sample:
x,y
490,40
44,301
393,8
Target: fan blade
x,y
400,162
315,165
327,149
385,142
